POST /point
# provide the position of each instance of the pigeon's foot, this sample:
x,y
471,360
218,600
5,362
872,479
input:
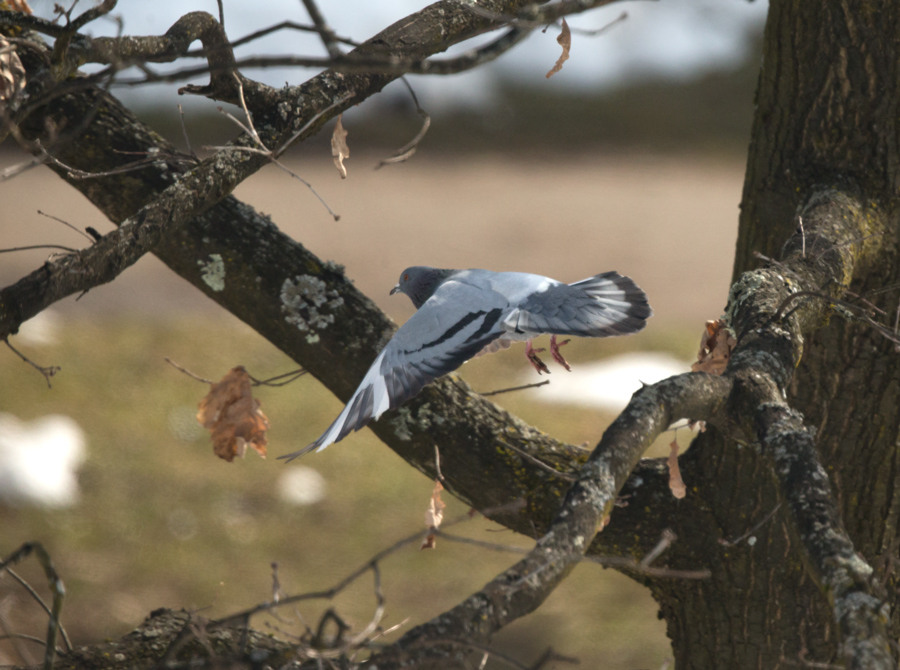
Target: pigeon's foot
x,y
557,356
532,355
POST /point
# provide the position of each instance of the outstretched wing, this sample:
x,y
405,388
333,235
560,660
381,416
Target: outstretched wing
x,y
449,329
600,306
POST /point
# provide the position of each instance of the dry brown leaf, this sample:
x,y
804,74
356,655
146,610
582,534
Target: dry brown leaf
x,y
434,515
339,148
16,6
232,415
12,74
716,346
676,483
565,41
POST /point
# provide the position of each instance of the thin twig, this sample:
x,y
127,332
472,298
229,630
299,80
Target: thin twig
x,y
39,246
629,564
737,540
140,164
516,388
356,574
66,223
881,329
48,372
602,29
40,601
262,150
272,381
437,462
406,152
17,169
802,238
493,546
56,587
668,537
340,101
536,461
329,39
187,372
184,132
271,29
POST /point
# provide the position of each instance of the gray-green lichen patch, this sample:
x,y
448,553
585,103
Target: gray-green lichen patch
x,y
309,304
406,424
402,424
213,272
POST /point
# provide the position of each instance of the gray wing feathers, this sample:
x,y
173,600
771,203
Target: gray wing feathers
x,y
604,305
449,329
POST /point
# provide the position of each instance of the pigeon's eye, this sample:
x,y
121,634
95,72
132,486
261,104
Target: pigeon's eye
x,y
405,277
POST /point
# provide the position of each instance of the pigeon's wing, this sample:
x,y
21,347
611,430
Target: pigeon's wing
x,y
449,329
600,306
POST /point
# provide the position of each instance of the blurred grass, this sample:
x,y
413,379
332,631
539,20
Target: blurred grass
x,y
163,523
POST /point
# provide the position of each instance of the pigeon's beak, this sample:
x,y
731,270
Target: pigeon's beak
x,y
395,289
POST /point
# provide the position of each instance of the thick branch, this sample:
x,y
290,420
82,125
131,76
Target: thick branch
x,y
838,236
522,588
114,252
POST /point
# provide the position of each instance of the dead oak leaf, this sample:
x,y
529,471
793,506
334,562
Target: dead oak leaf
x,y
716,346
231,413
12,73
434,515
565,41
339,148
676,483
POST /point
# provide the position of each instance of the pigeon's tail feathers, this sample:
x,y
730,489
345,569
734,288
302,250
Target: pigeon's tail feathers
x,y
619,305
371,399
601,306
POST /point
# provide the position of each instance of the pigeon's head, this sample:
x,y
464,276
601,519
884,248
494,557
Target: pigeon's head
x,y
420,282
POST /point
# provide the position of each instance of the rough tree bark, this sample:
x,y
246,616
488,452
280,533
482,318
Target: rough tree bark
x,y
803,469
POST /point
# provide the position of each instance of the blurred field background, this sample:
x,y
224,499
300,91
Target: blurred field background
x,y
645,180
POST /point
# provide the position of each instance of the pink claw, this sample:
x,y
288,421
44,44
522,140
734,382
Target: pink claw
x,y
557,356
532,355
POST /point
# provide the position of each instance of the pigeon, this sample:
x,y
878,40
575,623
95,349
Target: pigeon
x,y
464,313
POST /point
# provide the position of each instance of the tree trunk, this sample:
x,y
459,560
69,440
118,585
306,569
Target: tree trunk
x,y
827,115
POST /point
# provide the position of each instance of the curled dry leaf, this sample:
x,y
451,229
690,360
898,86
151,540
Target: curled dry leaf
x,y
12,74
339,148
716,346
232,415
676,483
565,41
434,515
16,6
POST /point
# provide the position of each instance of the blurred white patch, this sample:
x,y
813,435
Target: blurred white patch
x,y
39,460
300,485
608,384
41,330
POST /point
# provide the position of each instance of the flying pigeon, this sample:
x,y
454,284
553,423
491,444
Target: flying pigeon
x,y
463,313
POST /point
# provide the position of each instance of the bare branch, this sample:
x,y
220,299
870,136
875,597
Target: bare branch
x,y
40,601
48,372
329,39
533,385
523,587
56,587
